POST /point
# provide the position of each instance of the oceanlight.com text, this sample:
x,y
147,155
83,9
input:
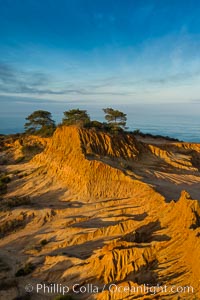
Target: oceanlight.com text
x,y
62,289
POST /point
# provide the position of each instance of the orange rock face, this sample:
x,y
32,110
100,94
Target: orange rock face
x,y
106,217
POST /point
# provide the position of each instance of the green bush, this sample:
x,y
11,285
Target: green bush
x,y
18,201
94,124
16,172
19,159
23,175
3,161
31,149
10,226
27,269
3,188
65,297
23,297
5,179
46,131
44,242
137,131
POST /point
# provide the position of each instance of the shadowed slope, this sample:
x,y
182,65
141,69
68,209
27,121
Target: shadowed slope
x,y
67,157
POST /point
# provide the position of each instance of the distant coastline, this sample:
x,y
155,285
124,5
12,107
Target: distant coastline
x,y
187,136
180,122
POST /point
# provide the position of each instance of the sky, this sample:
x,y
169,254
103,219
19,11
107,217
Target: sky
x,y
79,53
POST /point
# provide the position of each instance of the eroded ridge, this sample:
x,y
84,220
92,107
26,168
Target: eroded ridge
x,y
88,210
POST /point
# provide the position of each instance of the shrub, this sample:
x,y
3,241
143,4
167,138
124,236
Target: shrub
x,y
3,161
10,226
16,172
94,124
44,242
31,149
5,179
137,131
46,131
124,164
18,201
3,188
19,159
65,297
23,297
23,175
27,269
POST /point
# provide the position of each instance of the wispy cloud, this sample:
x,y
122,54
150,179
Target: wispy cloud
x,y
174,78
132,79
20,82
32,101
6,74
13,81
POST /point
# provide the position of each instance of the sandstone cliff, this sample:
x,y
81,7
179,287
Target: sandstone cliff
x,y
77,157
102,210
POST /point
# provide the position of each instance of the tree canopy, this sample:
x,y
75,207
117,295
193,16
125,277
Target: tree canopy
x,y
40,121
76,117
117,119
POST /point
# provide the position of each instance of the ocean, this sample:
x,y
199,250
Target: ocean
x,y
181,121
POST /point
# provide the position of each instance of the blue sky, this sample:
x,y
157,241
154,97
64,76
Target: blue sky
x,y
98,52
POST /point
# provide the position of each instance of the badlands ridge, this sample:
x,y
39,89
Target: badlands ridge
x,y
99,210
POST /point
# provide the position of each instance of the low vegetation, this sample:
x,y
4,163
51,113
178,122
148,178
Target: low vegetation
x,y
10,226
44,242
4,180
31,149
41,245
3,188
18,201
3,161
16,172
19,159
65,297
27,269
137,132
6,141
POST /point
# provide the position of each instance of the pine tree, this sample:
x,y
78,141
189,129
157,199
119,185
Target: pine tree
x,y
116,119
40,122
76,117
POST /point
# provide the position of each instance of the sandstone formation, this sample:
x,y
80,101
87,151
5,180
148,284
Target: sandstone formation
x,y
103,211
